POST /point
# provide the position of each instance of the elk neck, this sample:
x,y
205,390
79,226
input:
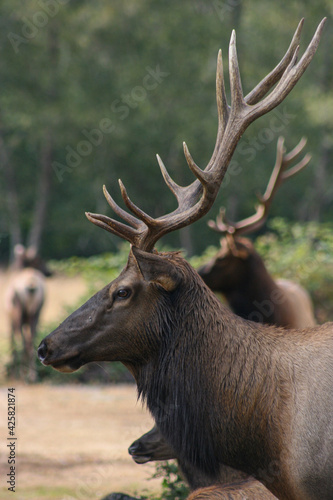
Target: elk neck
x,y
209,354
255,287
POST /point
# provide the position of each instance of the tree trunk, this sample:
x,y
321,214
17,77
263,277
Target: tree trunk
x,y
12,196
38,221
44,186
322,193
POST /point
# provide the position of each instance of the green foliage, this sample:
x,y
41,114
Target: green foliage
x,y
97,270
173,486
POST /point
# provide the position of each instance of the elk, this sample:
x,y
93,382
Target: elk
x,y
24,301
239,273
222,390
152,446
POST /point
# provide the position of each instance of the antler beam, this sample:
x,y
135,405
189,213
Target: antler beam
x,y
195,200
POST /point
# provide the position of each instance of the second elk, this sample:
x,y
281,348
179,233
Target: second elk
x,y
238,272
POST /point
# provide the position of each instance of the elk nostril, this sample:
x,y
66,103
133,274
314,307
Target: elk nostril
x,y
42,351
134,448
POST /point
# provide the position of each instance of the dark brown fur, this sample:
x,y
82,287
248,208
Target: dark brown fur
x,y
239,273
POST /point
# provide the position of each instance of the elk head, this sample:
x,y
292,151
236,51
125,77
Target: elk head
x,y
29,257
237,257
132,318
151,446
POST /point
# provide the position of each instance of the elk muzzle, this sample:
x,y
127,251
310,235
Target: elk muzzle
x,y
151,447
75,342
65,364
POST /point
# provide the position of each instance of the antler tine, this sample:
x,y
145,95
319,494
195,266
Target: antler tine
x,y
282,162
291,75
119,211
278,176
267,83
219,225
131,234
291,156
237,98
113,226
178,191
223,108
195,200
297,168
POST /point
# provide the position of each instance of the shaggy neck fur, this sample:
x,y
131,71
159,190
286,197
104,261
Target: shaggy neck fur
x,y
203,378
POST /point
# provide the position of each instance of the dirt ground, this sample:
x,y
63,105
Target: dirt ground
x,y
72,440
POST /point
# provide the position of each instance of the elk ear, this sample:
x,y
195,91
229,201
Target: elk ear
x,y
157,269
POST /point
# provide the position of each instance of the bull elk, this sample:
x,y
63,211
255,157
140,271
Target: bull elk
x,y
239,273
221,389
24,301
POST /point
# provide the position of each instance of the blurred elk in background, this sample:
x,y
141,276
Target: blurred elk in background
x,y
239,273
24,301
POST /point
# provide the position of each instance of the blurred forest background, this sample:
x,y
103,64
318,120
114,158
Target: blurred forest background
x,y
90,91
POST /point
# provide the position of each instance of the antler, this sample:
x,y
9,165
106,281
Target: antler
x,y
278,176
195,200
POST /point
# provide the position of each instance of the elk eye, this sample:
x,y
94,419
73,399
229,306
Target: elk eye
x,y
123,293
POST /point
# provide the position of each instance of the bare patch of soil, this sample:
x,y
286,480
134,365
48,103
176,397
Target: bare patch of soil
x,y
72,442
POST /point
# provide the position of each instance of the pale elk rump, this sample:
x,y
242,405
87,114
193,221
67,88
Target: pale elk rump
x,y
222,390
24,301
300,302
